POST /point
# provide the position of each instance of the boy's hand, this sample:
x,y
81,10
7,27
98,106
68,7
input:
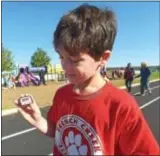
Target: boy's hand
x,y
29,109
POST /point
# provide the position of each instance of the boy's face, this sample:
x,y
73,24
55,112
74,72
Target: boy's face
x,y
78,68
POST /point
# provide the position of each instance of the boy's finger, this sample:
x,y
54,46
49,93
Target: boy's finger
x,y
25,110
22,111
22,95
32,107
16,102
33,104
27,94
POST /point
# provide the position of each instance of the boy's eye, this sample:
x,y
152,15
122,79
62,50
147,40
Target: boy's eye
x,y
76,61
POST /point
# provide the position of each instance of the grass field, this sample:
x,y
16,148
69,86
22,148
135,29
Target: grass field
x,y
44,94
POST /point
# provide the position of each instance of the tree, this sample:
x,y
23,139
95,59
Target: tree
x,y
40,58
7,60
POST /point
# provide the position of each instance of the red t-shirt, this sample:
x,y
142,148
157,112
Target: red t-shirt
x,y
108,122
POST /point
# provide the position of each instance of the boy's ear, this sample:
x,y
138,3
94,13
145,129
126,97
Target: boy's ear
x,y
105,57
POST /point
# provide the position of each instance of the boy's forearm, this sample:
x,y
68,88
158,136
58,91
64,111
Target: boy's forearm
x,y
45,127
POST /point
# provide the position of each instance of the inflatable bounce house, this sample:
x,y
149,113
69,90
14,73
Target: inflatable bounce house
x,y
26,76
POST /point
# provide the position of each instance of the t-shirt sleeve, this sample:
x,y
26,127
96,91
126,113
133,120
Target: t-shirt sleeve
x,y
135,136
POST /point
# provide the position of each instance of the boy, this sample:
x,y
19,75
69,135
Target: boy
x,y
89,115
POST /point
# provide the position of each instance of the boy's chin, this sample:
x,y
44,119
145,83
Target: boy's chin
x,y
75,81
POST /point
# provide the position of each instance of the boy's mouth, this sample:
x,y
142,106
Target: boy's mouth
x,y
70,75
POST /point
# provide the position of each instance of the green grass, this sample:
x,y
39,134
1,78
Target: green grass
x,y
10,95
155,75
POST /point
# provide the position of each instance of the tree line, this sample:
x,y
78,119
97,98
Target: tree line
x,y
39,58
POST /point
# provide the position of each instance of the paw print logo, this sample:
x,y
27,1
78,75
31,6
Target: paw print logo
x,y
74,144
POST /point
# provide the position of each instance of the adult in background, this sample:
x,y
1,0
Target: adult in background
x,y
42,76
144,82
128,76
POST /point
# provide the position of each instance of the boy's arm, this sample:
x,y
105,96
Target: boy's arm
x,y
136,137
29,109
45,127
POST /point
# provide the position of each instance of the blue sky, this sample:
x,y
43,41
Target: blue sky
x,y
29,25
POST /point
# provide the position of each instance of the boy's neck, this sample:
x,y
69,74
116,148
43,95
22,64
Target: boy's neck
x,y
91,85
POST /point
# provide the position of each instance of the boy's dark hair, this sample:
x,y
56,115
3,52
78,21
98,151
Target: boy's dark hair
x,y
86,28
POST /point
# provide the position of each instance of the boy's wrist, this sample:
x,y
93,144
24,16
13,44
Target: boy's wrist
x,y
39,122
43,126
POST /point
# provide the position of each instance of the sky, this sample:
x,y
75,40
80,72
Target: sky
x,y
27,26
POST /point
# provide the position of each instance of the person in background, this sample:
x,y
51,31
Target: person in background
x,y
42,77
4,83
144,81
113,75
11,82
128,76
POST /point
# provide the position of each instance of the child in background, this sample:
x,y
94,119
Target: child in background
x,y
128,76
11,82
4,83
